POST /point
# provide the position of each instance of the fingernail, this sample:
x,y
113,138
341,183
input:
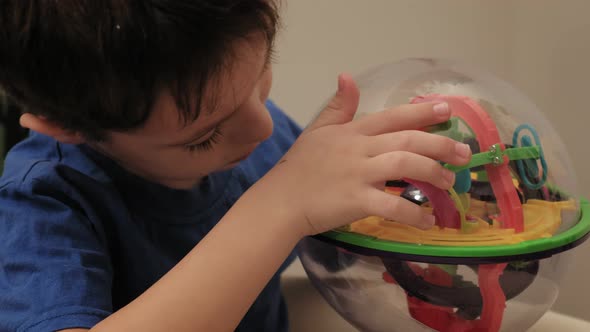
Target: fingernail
x,y
428,221
463,150
449,177
441,109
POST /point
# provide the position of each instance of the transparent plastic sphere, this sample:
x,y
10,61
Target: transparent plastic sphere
x,y
494,259
377,294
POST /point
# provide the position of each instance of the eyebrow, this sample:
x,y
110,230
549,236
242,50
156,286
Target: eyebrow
x,y
203,131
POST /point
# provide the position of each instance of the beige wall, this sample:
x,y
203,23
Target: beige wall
x,y
325,37
550,62
542,47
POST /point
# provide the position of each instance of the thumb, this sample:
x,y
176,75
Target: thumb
x,y
342,107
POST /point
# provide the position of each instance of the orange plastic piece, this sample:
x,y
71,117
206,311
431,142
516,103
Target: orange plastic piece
x,y
542,219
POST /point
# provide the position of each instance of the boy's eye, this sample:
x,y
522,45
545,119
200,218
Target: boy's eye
x,y
206,145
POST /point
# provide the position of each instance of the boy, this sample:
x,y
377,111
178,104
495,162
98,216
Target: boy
x,y
159,190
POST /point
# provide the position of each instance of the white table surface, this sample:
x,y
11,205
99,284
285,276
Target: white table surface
x,y
308,312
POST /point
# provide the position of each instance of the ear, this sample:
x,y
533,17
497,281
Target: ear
x,y
43,126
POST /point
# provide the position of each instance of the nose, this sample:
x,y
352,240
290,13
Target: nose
x,y
252,122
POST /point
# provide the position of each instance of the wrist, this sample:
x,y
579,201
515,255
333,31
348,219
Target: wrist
x,y
274,209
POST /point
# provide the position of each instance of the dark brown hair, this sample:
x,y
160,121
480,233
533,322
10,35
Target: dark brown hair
x,y
96,65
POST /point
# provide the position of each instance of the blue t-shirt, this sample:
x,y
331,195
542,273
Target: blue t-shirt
x,y
80,237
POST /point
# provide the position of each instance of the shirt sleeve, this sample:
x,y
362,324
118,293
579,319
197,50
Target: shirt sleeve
x,y
55,272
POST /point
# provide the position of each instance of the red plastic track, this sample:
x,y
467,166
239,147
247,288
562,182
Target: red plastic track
x,y
511,215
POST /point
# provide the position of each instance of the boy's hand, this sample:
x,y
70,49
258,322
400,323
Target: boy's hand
x,y
335,172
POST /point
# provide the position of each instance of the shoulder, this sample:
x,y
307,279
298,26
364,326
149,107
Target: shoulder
x,y
41,158
47,182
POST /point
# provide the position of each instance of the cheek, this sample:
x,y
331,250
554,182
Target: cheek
x,y
183,166
151,162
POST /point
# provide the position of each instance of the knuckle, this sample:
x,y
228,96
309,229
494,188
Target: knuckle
x,y
422,109
397,160
361,169
436,174
436,169
404,140
391,207
414,132
395,112
449,146
367,206
445,146
404,108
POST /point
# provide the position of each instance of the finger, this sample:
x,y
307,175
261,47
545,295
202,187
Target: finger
x,y
342,107
402,164
404,117
430,145
391,207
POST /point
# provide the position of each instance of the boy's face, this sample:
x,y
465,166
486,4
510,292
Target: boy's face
x,y
167,151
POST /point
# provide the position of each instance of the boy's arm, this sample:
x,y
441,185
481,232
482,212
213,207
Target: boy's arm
x,y
330,177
